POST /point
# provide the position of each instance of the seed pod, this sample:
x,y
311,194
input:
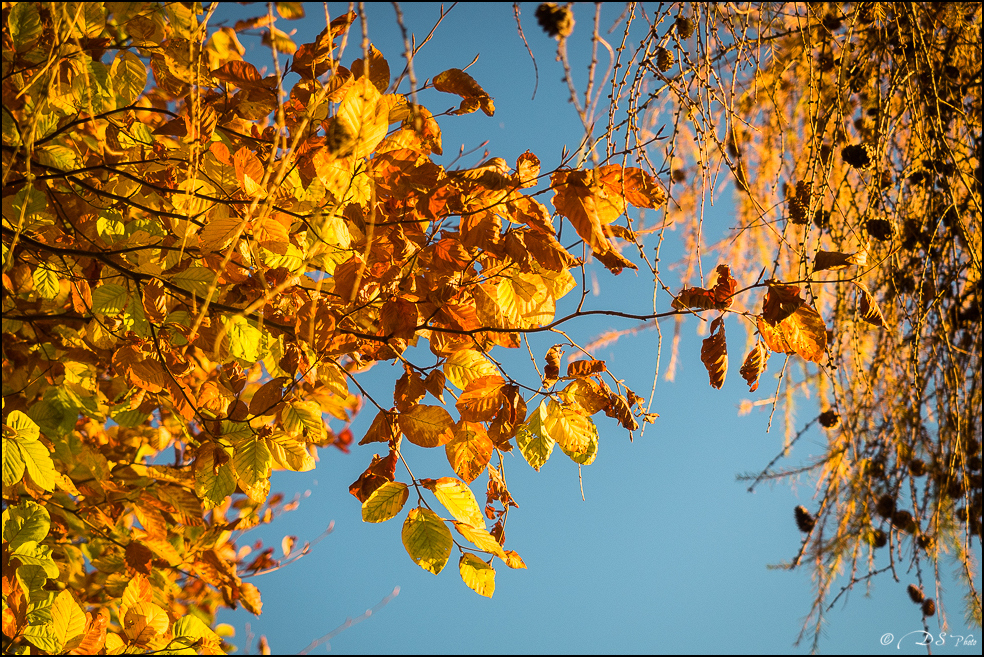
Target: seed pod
x,y
555,21
915,594
684,27
879,538
880,229
885,506
858,156
903,520
929,607
664,59
804,520
917,467
830,419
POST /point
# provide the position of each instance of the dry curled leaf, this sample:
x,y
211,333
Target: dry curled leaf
x,y
754,365
714,354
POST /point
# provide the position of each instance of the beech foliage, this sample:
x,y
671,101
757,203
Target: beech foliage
x,y
200,261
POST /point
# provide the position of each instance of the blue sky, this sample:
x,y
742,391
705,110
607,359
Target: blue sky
x,y
668,552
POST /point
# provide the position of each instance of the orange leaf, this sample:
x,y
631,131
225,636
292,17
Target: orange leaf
x,y
408,391
383,429
481,399
835,260
714,354
398,318
380,471
696,298
470,451
781,301
803,332
575,200
455,81
755,363
527,169
427,426
585,367
379,71
725,287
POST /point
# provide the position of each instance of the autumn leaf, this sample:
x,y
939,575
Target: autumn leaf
x,y
385,502
574,432
868,308
427,426
781,301
457,498
481,399
470,450
714,354
477,575
754,365
427,539
455,81
802,332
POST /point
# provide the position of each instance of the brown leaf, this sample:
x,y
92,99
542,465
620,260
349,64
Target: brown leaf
x,y
267,398
724,288
379,71
781,301
380,471
398,318
622,411
714,354
868,308
551,371
139,557
383,429
434,383
835,260
615,261
754,365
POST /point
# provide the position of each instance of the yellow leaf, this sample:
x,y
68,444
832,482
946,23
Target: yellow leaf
x,y
478,575
466,365
481,539
513,560
575,433
144,622
534,443
362,119
427,426
457,498
427,539
385,502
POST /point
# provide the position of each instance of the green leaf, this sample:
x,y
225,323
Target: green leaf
x,y
46,282
30,553
109,299
427,539
534,443
24,24
190,629
94,87
28,521
195,279
244,339
385,502
129,77
252,463
60,157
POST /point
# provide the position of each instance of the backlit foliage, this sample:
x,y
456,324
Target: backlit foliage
x,y
199,262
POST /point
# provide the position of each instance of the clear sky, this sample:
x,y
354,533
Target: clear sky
x,y
668,552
